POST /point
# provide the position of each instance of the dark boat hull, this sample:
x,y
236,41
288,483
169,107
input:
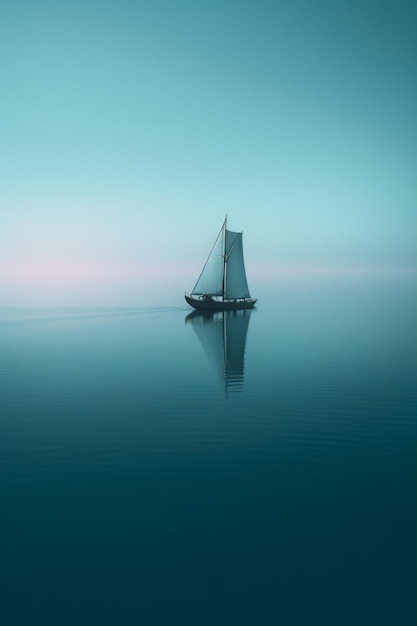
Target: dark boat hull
x,y
219,305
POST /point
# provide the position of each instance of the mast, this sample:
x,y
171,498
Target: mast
x,y
224,256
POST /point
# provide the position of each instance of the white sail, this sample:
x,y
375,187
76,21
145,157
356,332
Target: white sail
x,y
211,278
224,272
236,284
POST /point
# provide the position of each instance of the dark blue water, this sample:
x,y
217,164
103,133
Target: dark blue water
x,y
258,468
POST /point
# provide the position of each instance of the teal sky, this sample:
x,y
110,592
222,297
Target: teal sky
x,y
129,129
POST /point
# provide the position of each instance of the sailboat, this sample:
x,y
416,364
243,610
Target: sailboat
x,y
222,284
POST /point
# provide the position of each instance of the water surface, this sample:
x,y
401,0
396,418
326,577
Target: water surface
x,y
254,468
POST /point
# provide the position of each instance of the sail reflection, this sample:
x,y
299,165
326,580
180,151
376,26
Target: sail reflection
x,y
222,335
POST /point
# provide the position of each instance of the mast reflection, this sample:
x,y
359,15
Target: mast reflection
x,y
222,335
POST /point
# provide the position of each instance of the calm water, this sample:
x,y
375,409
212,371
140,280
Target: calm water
x,y
260,468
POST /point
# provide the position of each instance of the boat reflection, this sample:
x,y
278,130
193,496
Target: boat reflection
x,y
222,335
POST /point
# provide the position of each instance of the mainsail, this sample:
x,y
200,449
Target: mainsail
x,y
224,272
